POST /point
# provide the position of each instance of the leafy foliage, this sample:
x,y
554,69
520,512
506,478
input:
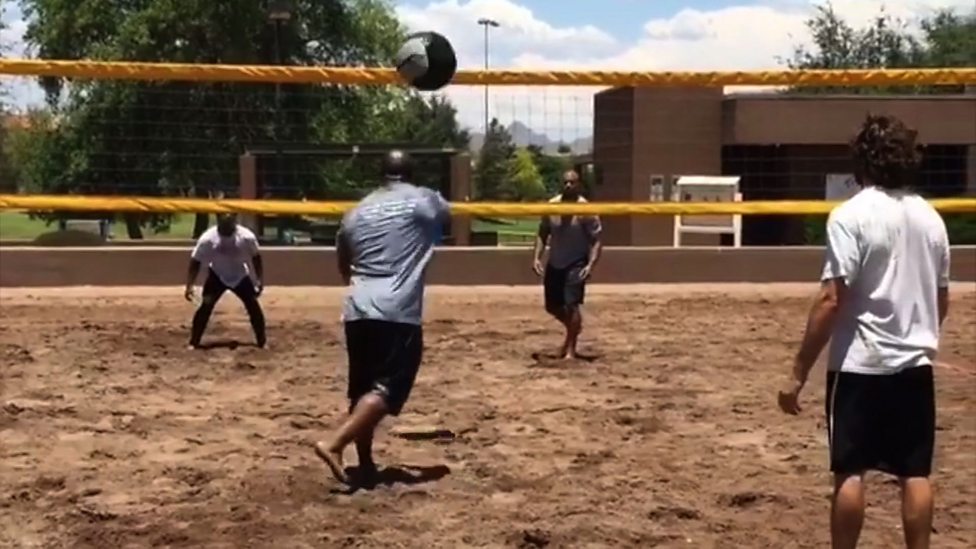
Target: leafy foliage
x,y
165,138
551,167
525,181
492,170
947,40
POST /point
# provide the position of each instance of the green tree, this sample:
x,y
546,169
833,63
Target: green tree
x,y
884,43
524,180
492,170
950,39
551,168
165,138
947,40
30,150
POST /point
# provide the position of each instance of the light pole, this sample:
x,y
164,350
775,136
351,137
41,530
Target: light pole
x,y
487,23
279,13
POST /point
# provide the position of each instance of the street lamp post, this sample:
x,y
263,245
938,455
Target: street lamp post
x,y
487,23
279,13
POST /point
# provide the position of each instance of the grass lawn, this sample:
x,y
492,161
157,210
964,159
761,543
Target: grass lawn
x,y
18,226
516,225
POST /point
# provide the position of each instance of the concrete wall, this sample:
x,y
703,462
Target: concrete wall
x,y
818,120
677,131
613,154
156,266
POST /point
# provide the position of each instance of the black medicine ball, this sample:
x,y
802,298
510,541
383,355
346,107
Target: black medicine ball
x,y
426,61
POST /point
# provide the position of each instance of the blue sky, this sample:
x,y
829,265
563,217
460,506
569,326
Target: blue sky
x,y
597,34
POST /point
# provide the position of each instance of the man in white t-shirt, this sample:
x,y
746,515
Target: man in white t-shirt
x,y
574,249
229,251
883,299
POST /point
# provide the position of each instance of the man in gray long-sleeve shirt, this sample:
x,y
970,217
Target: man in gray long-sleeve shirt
x,y
384,246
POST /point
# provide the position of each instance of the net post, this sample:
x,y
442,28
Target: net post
x,y
460,191
248,180
737,225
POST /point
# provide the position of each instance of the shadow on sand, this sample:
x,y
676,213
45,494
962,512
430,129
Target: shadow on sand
x,y
408,475
549,359
225,344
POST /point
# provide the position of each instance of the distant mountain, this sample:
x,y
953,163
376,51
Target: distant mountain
x,y
523,136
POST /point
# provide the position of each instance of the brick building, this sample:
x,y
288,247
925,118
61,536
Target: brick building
x,y
782,146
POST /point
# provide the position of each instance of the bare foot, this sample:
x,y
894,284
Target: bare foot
x,y
333,460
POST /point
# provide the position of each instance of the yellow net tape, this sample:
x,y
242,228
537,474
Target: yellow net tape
x,y
313,208
103,70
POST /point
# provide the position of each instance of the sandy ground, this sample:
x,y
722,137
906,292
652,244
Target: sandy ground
x,y
112,434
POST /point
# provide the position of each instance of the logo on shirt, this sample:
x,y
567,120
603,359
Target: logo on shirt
x,y
387,210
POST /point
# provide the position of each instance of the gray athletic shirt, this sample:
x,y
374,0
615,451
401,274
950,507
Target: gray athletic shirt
x,y
391,235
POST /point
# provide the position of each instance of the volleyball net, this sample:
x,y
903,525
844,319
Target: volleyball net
x,y
152,140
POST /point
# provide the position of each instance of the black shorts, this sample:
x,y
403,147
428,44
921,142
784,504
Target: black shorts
x,y
882,422
564,288
384,357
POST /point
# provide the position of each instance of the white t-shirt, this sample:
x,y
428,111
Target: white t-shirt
x,y
892,250
570,244
229,257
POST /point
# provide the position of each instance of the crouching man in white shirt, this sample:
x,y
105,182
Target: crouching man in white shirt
x,y
883,299
229,251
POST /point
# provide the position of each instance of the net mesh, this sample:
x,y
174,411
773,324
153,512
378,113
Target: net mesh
x,y
309,141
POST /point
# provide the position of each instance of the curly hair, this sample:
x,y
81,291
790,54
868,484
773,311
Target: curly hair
x,y
885,153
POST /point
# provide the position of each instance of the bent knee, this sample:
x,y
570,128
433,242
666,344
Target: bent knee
x,y
914,482
847,479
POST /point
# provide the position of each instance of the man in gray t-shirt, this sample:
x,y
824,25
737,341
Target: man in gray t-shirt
x,y
574,249
383,248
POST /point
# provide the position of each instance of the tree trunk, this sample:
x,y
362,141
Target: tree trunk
x,y
133,227
201,221
200,224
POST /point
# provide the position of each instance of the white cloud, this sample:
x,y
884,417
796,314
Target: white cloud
x,y
12,36
21,90
519,30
